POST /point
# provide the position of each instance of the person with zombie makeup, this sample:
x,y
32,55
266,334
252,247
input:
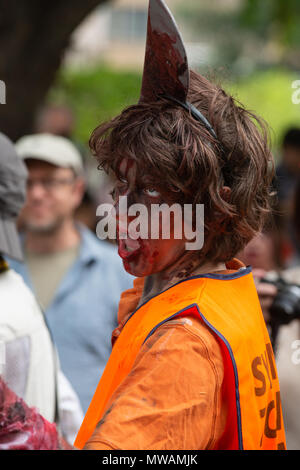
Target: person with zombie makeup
x,y
192,365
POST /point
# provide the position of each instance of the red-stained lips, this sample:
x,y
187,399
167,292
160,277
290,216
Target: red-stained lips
x,y
128,248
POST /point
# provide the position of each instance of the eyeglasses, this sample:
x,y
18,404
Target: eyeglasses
x,y
49,184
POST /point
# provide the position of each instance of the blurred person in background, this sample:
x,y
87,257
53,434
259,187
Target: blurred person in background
x,y
263,254
294,261
288,170
56,120
287,175
60,120
30,367
68,268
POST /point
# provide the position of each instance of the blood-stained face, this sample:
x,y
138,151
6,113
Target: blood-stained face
x,y
156,248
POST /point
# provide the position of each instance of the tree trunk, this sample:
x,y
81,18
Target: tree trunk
x,y
33,38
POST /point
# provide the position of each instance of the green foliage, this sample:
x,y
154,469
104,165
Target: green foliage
x,y
95,95
260,31
100,93
269,94
269,17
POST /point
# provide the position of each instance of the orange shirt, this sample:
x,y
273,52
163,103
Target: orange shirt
x,y
172,398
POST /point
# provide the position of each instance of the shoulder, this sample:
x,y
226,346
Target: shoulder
x,y
12,285
20,311
190,340
16,266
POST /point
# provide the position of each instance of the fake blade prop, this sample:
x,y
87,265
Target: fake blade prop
x,y
166,70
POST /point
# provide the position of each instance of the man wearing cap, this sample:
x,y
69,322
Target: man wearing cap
x,y
77,278
28,361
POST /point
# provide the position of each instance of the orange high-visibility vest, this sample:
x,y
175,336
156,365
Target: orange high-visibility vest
x,y
228,304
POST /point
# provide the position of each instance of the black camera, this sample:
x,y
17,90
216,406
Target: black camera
x,y
285,307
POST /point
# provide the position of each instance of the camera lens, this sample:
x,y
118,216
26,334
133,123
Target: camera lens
x,y
285,307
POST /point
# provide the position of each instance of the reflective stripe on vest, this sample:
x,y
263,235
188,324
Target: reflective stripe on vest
x,y
228,304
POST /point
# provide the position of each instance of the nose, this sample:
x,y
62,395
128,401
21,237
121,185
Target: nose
x,y
35,189
121,207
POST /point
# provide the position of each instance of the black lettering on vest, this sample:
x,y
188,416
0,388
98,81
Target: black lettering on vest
x,y
267,367
271,432
262,412
259,376
271,360
281,446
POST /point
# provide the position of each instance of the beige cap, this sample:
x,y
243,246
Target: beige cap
x,y
51,149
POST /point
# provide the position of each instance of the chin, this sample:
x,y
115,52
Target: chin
x,y
137,268
41,227
134,270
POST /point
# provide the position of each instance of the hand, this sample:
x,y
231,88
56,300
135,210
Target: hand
x,y
266,292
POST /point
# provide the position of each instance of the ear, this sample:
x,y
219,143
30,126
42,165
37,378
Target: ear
x,y
225,193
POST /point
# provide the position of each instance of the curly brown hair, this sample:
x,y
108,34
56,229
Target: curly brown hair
x,y
179,153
